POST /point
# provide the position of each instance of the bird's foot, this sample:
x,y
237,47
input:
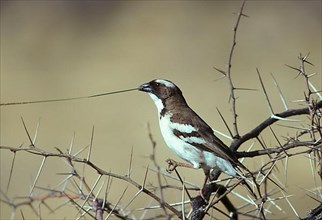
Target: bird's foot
x,y
172,165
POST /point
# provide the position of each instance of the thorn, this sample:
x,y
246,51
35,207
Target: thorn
x,y
38,175
130,164
90,145
265,93
294,68
221,71
59,150
246,89
242,14
25,127
280,91
71,144
23,217
226,124
11,170
36,133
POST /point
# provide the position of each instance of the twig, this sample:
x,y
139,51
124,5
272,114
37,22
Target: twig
x,y
158,173
66,99
228,73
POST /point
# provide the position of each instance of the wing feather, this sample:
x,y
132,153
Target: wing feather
x,y
212,142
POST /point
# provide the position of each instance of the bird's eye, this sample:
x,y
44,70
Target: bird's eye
x,y
158,84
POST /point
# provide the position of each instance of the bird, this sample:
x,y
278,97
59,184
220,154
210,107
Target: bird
x,y
186,133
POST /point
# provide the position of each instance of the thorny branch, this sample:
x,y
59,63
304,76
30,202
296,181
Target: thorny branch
x,y
73,159
229,75
158,173
270,121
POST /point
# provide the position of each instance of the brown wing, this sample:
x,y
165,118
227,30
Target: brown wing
x,y
214,144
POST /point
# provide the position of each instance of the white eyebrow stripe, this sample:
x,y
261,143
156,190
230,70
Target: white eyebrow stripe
x,y
165,82
183,128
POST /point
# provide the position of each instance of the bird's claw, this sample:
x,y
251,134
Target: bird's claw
x,y
172,165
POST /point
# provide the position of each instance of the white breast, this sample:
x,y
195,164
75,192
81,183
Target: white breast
x,y
183,149
188,152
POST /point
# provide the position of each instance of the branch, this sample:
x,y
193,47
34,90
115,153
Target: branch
x,y
269,121
231,84
314,214
278,149
200,207
37,151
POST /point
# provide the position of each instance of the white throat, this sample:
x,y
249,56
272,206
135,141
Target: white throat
x,y
158,103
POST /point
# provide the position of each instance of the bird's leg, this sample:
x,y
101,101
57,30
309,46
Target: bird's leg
x,y
172,164
207,173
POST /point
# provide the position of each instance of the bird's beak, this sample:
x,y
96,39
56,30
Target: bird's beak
x,y
145,87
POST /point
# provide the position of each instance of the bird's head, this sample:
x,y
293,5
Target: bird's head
x,y
160,91
160,88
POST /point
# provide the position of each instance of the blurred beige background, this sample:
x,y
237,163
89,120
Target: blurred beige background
x,y
61,49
